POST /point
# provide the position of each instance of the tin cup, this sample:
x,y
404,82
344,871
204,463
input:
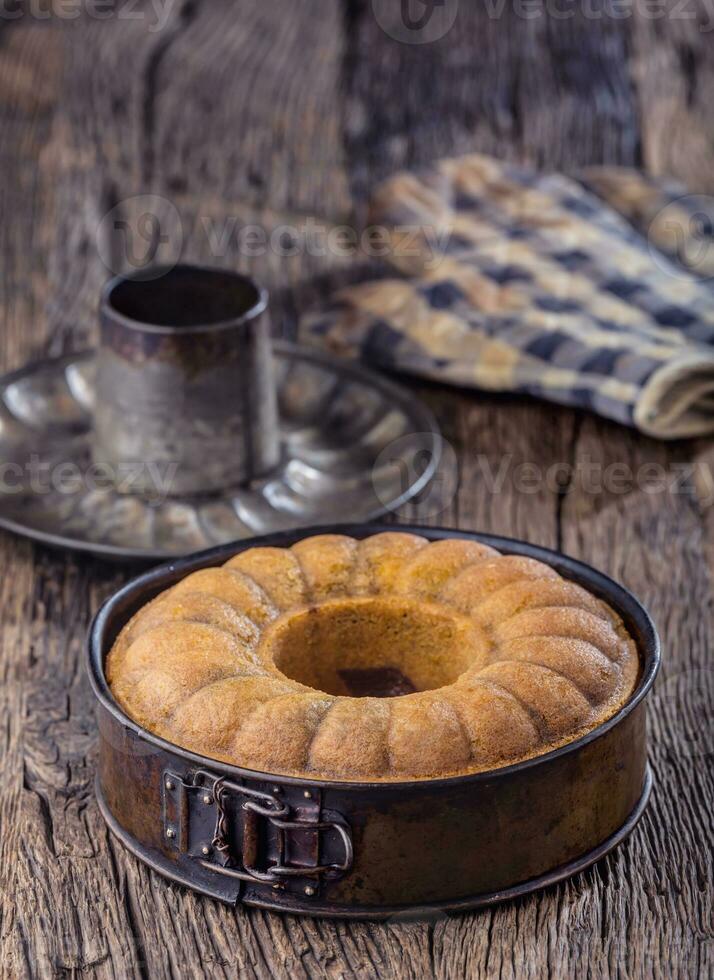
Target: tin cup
x,y
185,393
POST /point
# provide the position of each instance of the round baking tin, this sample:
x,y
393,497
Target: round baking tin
x,y
354,446
371,849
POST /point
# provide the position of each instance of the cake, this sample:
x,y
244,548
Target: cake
x,y
387,658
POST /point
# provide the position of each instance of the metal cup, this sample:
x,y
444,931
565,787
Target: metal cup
x,y
185,389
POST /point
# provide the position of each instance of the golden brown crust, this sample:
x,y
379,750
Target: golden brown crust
x,y
191,607
252,663
277,571
352,736
326,561
426,735
233,587
429,570
474,583
379,560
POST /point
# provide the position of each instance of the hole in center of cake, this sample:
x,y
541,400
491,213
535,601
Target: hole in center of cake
x,y
374,647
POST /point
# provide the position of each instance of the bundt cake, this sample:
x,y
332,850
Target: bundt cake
x,y
390,657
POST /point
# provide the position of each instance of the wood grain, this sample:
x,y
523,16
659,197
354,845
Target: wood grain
x,y
270,114
674,75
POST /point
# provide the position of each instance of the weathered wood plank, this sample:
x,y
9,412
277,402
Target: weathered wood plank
x,y
673,70
520,85
247,145
644,527
269,116
30,71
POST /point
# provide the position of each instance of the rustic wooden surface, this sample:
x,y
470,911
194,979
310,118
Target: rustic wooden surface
x,y
269,113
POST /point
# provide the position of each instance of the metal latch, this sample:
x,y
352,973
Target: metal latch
x,y
244,833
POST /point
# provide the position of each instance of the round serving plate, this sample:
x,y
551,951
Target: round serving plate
x,y
354,446
371,849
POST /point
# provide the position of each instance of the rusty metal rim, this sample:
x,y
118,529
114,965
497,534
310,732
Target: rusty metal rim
x,y
145,586
259,306
409,912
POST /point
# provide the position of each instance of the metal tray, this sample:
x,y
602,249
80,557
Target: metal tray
x,y
371,850
354,446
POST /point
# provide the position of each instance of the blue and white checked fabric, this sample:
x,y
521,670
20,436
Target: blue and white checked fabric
x,y
521,282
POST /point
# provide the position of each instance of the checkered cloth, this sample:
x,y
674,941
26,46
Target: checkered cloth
x,y
524,282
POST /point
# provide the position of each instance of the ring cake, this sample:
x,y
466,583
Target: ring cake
x,y
387,658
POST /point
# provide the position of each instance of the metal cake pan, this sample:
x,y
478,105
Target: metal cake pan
x,y
371,849
354,446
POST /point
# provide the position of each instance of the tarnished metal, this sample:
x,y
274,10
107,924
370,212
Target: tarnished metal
x,y
244,817
353,444
372,849
185,372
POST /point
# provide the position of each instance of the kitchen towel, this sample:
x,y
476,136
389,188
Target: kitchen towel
x,y
554,286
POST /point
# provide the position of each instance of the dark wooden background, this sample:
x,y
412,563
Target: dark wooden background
x,y
269,112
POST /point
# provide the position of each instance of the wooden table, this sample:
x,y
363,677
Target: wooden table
x,y
269,113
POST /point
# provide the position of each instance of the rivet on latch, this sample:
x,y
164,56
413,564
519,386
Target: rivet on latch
x,y
309,891
307,794
276,789
206,850
277,886
170,832
169,784
207,799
